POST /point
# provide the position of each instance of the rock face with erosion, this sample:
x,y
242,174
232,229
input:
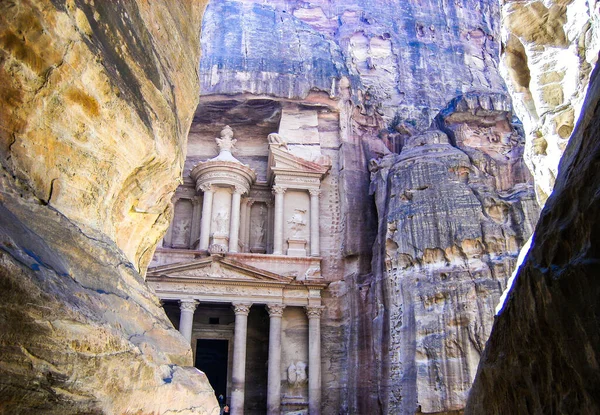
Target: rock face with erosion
x,y
96,106
542,356
454,209
454,206
549,49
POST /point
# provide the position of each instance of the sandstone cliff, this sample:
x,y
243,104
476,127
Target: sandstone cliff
x,y
549,49
463,201
453,214
96,104
542,356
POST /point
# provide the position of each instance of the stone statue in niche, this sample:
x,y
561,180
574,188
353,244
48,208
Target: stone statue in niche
x,y
297,222
258,230
221,223
277,140
226,142
296,374
181,231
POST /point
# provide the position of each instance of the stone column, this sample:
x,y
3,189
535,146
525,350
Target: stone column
x,y
314,222
238,377
248,229
244,223
234,224
269,226
278,225
186,319
274,379
206,215
196,215
314,359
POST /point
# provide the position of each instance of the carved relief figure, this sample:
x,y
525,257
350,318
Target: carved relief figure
x,y
297,222
220,222
226,142
296,374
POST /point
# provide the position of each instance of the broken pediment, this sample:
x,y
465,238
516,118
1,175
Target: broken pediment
x,y
217,269
283,162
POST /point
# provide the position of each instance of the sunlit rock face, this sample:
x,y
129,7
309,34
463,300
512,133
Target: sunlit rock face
x,y
549,49
454,211
543,353
96,104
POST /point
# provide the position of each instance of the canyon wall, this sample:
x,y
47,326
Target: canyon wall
x,y
454,206
542,356
549,50
97,100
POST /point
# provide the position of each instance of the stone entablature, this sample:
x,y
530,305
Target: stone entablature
x,y
223,279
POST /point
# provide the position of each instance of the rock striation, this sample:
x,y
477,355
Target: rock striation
x,y
549,50
454,209
97,100
403,59
542,356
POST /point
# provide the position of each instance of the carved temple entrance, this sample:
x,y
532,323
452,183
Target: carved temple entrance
x,y
271,324
241,264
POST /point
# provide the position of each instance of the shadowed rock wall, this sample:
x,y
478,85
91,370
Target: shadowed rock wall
x,y
97,101
542,356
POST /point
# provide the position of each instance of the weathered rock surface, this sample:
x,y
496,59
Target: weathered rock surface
x,y
542,356
549,51
463,206
96,104
454,213
404,59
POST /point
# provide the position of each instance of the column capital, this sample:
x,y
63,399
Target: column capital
x,y
206,187
239,189
314,311
241,308
279,189
275,310
314,192
188,305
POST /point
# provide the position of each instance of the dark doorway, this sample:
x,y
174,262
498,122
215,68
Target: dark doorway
x,y
211,358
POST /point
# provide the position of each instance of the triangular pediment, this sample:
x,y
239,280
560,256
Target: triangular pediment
x,y
217,269
281,160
